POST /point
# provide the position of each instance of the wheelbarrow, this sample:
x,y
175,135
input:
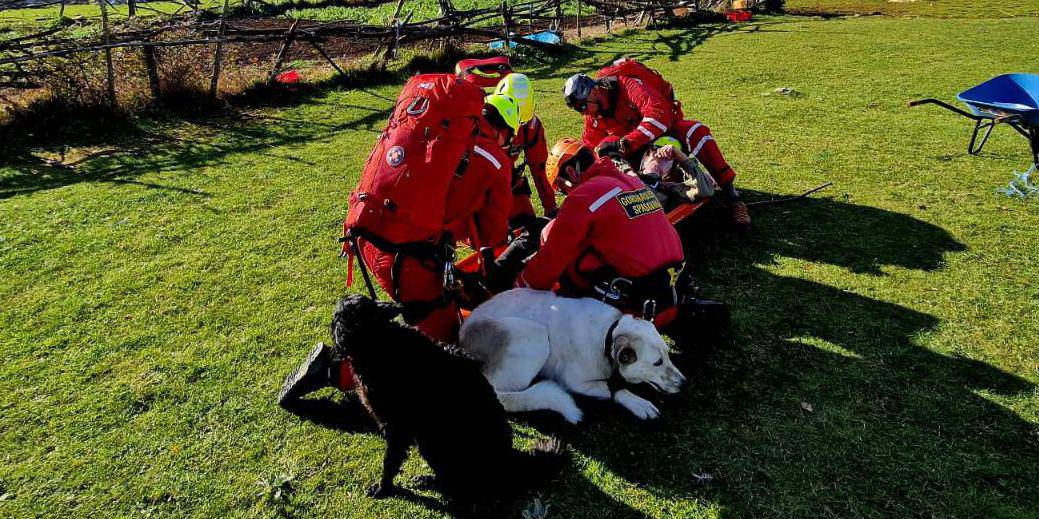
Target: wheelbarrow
x,y
1011,99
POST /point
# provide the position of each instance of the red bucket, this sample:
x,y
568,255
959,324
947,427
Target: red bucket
x,y
288,78
740,15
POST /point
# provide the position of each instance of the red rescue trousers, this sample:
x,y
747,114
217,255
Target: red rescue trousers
x,y
521,207
698,142
414,281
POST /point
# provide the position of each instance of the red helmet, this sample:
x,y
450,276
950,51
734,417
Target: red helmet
x,y
485,72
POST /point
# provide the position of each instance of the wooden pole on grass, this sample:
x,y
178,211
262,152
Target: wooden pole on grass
x,y
391,44
284,49
506,25
108,53
327,57
219,54
578,18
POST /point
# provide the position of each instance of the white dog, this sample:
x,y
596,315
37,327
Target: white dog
x,y
568,344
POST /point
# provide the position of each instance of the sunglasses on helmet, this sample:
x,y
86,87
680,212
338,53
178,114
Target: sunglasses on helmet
x,y
492,70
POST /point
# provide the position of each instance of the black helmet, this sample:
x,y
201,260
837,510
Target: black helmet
x,y
576,90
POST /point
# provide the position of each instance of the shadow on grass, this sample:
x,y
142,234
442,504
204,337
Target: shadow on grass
x,y
825,404
345,413
673,41
139,151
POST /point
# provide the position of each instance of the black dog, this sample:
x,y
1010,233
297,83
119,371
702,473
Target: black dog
x,y
435,396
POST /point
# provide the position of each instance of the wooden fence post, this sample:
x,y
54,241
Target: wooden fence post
x,y
284,49
391,45
446,9
219,53
578,18
108,53
506,25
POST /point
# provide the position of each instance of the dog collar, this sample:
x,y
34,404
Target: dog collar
x,y
608,343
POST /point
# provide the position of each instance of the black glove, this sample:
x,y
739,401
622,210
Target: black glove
x,y
611,148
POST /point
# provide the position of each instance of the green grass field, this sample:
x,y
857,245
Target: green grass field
x,y
930,8
885,360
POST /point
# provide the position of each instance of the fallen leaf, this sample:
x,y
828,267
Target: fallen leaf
x,y
807,407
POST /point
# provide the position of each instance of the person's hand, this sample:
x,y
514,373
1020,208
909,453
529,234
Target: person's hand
x,y
670,152
610,147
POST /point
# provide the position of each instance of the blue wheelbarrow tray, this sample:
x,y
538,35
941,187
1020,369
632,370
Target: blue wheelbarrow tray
x,y
1006,96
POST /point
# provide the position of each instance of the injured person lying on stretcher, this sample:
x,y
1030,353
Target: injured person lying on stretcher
x,y
674,177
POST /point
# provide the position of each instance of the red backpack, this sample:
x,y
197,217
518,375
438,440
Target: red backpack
x,y
403,189
626,67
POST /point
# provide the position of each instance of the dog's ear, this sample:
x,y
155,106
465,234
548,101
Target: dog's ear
x,y
622,350
627,356
389,310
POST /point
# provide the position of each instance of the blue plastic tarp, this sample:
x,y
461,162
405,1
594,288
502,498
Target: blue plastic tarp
x,y
543,36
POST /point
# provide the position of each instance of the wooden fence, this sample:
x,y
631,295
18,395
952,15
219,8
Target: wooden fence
x,y
216,28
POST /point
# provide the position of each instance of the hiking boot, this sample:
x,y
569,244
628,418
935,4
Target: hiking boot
x,y
740,215
313,374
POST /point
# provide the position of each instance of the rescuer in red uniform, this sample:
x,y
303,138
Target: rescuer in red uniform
x,y
476,211
530,143
634,103
611,239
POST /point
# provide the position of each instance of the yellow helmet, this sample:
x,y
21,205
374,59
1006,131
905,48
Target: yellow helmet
x,y
518,87
502,110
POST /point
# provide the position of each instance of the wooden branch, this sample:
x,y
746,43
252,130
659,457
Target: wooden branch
x,y
506,25
108,53
327,57
218,53
289,37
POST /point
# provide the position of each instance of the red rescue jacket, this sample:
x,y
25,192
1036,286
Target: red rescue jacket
x,y
611,219
530,141
479,197
638,114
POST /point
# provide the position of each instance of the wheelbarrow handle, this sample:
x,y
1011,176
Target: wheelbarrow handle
x,y
946,106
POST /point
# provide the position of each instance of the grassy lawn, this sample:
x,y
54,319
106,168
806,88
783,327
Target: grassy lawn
x,y
884,362
37,18
941,8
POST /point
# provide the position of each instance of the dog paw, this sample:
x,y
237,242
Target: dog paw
x,y
640,407
646,411
378,491
572,414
